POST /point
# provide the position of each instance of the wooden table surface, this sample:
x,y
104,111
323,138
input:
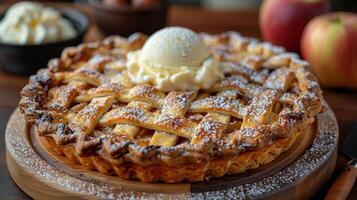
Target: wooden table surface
x,y
343,102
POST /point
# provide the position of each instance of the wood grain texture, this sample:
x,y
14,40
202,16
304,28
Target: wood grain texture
x,y
343,102
41,172
34,188
306,190
40,180
48,153
285,159
343,185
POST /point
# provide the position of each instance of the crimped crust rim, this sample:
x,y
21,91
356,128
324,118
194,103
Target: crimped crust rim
x,y
34,95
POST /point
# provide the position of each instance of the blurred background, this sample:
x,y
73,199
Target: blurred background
x,y
350,5
278,24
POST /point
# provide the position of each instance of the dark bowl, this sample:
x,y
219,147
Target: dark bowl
x,y
127,20
27,59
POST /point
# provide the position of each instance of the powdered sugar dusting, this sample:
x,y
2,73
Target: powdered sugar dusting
x,y
21,151
133,114
210,129
147,91
220,103
322,148
177,102
171,121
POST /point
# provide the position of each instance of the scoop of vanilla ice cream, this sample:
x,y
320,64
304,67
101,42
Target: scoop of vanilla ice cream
x,y
32,23
174,58
174,47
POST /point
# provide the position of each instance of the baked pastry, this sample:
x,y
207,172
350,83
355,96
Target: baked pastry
x,y
178,107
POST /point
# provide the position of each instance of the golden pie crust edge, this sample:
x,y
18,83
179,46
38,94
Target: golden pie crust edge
x,y
32,105
185,172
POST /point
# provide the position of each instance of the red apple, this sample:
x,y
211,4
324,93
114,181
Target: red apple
x,y
145,3
115,3
329,43
282,21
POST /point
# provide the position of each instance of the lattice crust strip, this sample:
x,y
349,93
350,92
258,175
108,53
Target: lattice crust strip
x,y
211,127
139,117
173,110
260,110
89,116
85,98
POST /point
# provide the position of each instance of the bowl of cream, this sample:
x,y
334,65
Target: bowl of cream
x,y
31,34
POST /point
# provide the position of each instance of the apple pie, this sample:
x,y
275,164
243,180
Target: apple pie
x,y
90,109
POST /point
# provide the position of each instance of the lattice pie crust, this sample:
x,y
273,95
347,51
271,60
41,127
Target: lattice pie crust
x,y
88,109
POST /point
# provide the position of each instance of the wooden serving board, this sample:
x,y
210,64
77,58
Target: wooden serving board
x,y
297,173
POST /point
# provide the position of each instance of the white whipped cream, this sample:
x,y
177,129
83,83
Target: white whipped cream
x,y
32,23
178,78
174,59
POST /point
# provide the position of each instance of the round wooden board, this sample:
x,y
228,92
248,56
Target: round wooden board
x,y
297,173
